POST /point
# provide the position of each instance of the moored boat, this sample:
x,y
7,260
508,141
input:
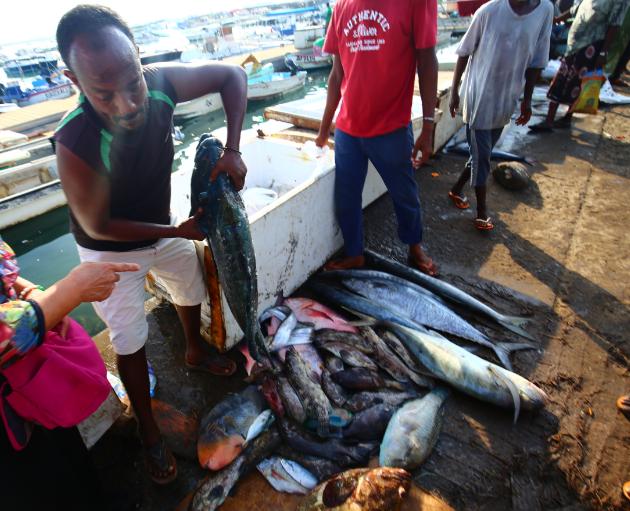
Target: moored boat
x,y
40,90
275,84
199,106
308,60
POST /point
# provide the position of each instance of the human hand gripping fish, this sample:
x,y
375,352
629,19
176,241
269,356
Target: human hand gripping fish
x,y
233,165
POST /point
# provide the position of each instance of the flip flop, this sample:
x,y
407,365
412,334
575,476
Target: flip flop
x,y
626,489
484,225
160,463
623,405
217,365
429,269
459,201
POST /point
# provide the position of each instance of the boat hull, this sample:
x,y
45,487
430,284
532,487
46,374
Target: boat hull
x,y
199,106
308,61
57,92
276,87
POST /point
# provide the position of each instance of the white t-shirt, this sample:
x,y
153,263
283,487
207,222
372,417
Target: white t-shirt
x,y
502,45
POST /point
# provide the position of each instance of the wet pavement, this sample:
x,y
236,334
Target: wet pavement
x,y
559,253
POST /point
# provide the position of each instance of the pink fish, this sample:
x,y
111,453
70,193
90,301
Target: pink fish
x,y
310,311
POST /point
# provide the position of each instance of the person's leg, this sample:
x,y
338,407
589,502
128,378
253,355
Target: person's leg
x,y
481,145
178,267
622,63
455,193
123,312
391,156
351,165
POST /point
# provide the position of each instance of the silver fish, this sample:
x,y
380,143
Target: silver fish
x,y
260,424
279,312
276,474
299,473
406,300
413,431
321,468
282,335
469,373
301,334
448,292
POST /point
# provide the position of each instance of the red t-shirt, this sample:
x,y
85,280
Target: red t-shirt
x,y
376,42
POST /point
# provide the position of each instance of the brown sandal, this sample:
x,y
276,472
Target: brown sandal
x,y
160,463
623,405
459,201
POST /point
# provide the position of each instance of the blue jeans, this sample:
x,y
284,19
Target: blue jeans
x,y
391,156
481,143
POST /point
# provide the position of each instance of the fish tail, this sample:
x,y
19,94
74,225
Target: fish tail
x,y
515,324
511,387
504,349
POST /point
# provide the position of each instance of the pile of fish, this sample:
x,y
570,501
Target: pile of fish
x,y
336,393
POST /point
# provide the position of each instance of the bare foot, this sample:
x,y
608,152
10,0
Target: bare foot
x,y
213,363
347,263
421,261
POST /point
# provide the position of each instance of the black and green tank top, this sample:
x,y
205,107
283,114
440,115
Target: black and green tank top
x,y
139,169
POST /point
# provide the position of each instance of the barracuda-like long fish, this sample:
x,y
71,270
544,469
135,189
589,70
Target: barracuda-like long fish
x,y
226,226
448,292
421,306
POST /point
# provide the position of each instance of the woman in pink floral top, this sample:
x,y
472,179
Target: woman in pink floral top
x,y
56,460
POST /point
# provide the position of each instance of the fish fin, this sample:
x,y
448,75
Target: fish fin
x,y
504,349
511,387
362,322
515,324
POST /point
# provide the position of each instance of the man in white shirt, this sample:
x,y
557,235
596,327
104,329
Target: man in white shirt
x,y
505,48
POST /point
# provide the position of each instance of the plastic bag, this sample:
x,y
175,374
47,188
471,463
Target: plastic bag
x,y
588,100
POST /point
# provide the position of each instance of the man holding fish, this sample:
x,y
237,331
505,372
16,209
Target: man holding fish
x,y
114,154
377,47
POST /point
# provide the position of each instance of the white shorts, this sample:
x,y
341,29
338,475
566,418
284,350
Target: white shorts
x,y
173,260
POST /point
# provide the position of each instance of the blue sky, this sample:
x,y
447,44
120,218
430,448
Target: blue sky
x,y
37,19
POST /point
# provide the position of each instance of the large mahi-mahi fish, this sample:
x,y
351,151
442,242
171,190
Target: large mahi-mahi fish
x,y
226,226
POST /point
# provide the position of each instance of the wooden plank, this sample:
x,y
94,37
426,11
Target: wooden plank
x,y
32,117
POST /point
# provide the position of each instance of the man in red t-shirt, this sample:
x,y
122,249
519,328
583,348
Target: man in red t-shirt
x,y
377,47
